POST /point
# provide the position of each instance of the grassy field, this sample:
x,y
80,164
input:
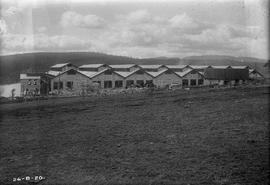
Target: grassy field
x,y
183,137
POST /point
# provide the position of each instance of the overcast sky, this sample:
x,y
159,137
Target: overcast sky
x,y
138,28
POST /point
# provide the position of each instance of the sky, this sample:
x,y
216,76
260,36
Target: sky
x,y
172,28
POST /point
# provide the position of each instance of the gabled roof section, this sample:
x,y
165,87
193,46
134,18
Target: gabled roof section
x,y
29,77
59,65
124,73
122,66
158,73
221,67
70,70
177,66
151,66
53,73
102,71
62,65
92,65
199,66
127,74
239,67
184,73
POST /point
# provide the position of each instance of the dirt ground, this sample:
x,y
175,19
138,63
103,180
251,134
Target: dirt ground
x,y
217,137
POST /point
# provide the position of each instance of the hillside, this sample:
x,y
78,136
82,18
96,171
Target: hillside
x,y
198,137
12,65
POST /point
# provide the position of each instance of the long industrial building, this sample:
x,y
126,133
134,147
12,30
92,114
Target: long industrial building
x,y
67,77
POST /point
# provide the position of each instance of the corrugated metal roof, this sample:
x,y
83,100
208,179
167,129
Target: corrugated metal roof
x,y
59,65
28,77
199,67
239,67
155,74
220,67
184,72
91,65
176,66
122,66
124,73
150,66
88,73
53,73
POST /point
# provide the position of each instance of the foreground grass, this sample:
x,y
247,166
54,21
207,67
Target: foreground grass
x,y
195,137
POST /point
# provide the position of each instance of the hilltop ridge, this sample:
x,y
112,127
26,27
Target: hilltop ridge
x,y
12,65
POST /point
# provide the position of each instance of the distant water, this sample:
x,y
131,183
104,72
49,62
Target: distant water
x,y
5,90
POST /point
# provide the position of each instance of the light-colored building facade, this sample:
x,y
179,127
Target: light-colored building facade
x,y
138,77
109,79
35,84
70,81
67,77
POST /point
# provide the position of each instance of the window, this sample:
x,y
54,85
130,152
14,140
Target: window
x,y
35,82
36,91
130,83
118,83
107,84
185,82
29,82
60,85
98,82
55,85
200,82
140,83
193,82
70,85
193,72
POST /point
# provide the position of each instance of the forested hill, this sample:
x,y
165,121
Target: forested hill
x,y
12,65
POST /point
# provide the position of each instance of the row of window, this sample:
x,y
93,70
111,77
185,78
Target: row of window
x,y
129,83
193,82
59,85
32,82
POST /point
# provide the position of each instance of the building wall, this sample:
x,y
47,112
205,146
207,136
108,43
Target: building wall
x,y
136,77
28,86
103,77
191,76
79,82
166,79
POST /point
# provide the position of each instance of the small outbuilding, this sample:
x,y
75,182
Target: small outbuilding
x,y
34,84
